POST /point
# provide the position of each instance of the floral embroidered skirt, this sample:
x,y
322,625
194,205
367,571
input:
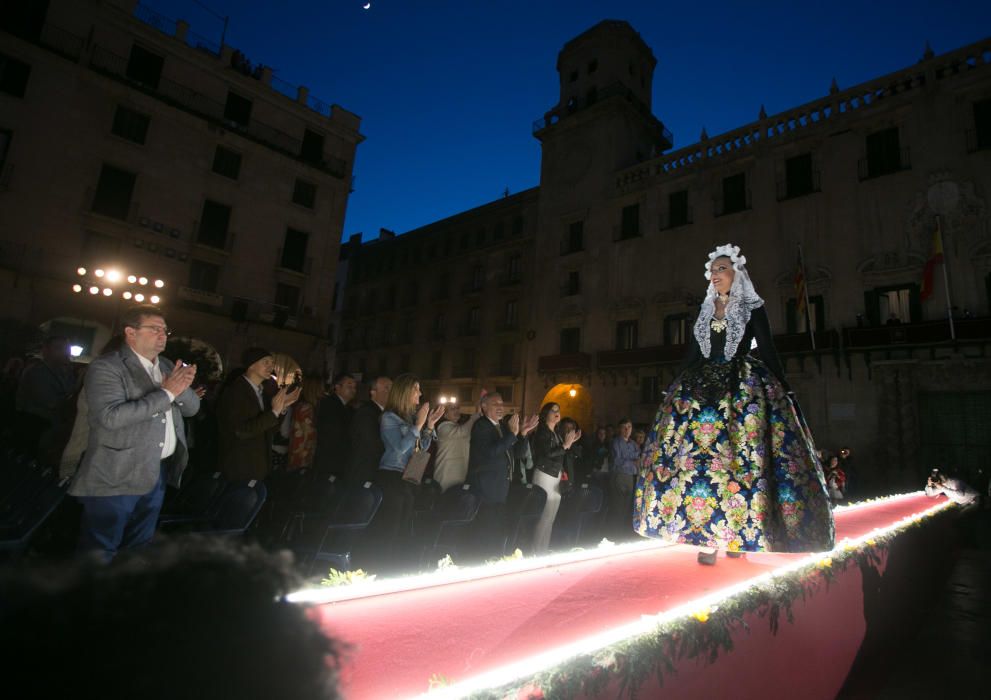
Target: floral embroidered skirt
x,y
730,465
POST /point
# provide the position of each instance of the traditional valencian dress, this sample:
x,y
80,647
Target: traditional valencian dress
x,y
731,465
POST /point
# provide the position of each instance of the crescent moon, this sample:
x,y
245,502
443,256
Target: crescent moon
x,y
367,5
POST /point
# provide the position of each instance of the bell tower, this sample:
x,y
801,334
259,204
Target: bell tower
x,y
605,72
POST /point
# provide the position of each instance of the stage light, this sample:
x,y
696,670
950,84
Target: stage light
x,y
113,275
460,574
107,292
159,283
155,299
94,290
126,295
443,399
142,280
75,350
98,272
572,393
81,271
132,279
139,298
77,288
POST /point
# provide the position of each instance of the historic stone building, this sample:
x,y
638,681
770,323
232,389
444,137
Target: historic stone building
x,y
449,301
131,145
857,178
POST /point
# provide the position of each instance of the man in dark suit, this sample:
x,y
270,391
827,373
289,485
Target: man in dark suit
x,y
490,469
334,415
366,433
245,424
136,401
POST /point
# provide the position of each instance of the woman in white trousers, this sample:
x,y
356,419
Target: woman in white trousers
x,y
549,450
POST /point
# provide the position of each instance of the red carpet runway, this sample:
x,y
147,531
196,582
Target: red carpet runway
x,y
487,631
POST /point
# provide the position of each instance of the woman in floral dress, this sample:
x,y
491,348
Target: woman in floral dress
x,y
730,465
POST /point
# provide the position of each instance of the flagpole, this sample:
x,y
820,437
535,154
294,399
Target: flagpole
x,y
946,280
808,307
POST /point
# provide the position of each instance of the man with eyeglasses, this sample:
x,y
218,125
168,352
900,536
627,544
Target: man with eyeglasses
x,y
137,442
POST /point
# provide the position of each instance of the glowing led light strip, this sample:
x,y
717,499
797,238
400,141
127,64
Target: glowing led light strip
x,y
443,577
531,665
876,501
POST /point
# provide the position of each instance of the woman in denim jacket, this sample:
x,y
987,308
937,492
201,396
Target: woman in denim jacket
x,y
404,422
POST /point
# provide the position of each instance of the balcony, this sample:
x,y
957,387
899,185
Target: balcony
x,y
926,333
201,297
795,343
653,355
564,362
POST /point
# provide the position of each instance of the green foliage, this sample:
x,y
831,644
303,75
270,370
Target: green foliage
x,y
344,578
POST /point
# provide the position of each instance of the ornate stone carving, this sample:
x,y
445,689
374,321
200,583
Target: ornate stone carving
x,y
959,207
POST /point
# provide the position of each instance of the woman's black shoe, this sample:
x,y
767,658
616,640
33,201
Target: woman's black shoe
x,y
708,558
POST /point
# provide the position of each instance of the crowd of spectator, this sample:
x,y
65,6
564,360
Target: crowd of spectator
x,y
126,427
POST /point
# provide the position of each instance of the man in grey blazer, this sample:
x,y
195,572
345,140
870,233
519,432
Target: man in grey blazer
x,y
136,401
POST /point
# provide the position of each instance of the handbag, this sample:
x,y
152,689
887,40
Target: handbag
x,y
416,465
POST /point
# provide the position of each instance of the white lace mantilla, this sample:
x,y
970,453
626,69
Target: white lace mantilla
x,y
743,299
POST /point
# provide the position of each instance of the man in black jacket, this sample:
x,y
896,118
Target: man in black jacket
x,y
490,469
333,429
366,433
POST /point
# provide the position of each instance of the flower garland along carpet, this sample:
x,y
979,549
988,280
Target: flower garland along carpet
x,y
644,620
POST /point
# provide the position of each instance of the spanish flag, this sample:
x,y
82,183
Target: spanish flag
x,y
934,259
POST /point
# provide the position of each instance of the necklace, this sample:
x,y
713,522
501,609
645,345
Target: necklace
x,y
718,325
723,297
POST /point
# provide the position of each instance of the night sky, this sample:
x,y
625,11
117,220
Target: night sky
x,y
447,91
